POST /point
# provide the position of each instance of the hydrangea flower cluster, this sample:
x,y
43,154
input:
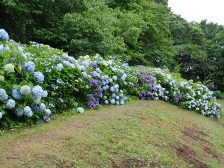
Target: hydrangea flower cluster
x,y
16,94
3,95
9,68
80,110
4,35
11,104
25,90
39,77
30,66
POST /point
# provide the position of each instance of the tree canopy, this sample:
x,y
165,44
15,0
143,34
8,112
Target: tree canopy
x,y
138,31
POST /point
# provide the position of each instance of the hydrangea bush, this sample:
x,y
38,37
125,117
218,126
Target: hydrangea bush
x,y
36,80
190,95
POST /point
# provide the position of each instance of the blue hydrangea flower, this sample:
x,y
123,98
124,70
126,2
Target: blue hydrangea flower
x,y
30,114
112,89
42,106
30,66
37,100
113,95
16,94
85,63
122,102
4,35
59,67
106,102
123,77
28,111
121,95
35,108
48,112
98,70
39,77
11,104
25,90
95,74
84,74
69,64
37,92
82,68
3,95
19,112
44,94
105,77
116,86
122,72
114,78
112,101
71,59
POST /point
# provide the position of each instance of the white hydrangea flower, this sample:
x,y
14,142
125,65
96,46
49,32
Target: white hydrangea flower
x,y
9,68
25,90
80,109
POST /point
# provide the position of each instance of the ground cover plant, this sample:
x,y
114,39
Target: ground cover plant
x,y
37,80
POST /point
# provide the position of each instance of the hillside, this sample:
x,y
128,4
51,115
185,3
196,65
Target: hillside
x,y
109,84
139,134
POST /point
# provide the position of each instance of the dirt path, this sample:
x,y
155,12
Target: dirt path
x,y
13,150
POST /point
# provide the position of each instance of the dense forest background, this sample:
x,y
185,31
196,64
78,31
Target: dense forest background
x,y
139,31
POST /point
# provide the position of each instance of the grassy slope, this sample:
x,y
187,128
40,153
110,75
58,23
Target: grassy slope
x,y
220,101
140,134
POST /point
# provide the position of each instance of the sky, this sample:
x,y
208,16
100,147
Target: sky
x,y
197,10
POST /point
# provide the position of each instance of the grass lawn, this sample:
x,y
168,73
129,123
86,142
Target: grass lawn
x,y
139,134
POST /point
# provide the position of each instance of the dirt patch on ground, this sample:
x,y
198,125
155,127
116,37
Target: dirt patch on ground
x,y
212,153
189,156
199,136
195,134
219,122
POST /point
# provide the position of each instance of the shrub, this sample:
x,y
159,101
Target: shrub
x,y
37,80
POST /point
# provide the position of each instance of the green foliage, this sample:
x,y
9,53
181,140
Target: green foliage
x,y
134,30
141,32
199,51
219,95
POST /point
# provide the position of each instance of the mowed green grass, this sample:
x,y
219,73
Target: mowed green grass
x,y
139,134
